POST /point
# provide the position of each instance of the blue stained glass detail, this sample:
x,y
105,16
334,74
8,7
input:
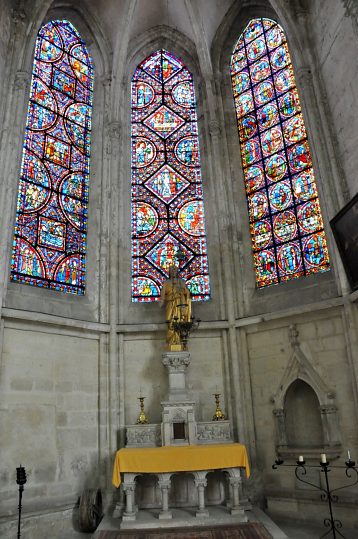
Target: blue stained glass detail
x,y
286,225
167,201
49,247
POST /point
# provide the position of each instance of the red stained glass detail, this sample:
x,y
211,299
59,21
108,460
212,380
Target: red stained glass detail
x,y
49,244
285,218
167,201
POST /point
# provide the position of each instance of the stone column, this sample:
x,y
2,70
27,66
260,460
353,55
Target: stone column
x,y
176,364
235,484
200,483
234,480
129,490
281,438
330,425
164,484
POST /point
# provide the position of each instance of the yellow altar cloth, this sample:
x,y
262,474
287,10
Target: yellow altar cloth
x,y
179,459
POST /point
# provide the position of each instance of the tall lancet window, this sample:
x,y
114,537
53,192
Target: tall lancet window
x,y
286,225
49,245
167,200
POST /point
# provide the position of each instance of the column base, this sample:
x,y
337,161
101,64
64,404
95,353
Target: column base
x,y
128,516
238,511
163,515
202,513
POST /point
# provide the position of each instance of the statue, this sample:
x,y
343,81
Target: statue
x,y
177,299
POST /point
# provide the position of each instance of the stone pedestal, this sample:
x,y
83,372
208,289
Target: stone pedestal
x,y
178,410
182,412
176,364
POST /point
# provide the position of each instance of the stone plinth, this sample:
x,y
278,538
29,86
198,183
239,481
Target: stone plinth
x,y
178,412
176,364
144,435
214,432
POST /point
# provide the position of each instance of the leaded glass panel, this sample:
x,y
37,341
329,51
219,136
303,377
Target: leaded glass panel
x,y
49,244
286,225
167,200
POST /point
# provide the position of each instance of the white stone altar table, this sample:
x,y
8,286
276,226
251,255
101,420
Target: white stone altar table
x,y
166,461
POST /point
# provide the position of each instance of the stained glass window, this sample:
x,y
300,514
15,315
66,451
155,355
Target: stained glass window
x,y
50,231
167,200
285,218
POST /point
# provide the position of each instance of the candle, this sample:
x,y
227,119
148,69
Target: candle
x,y
349,454
323,458
300,458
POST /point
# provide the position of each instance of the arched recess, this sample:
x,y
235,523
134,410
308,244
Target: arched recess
x,y
49,247
257,300
301,381
89,28
167,202
286,226
302,416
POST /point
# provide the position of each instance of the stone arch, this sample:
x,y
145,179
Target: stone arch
x,y
99,49
302,416
300,369
308,83
140,48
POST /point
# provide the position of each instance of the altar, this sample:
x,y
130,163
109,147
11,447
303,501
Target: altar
x,y
180,462
166,461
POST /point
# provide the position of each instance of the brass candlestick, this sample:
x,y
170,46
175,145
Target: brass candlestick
x,y
142,418
219,414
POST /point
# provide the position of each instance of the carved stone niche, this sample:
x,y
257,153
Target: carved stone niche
x,y
305,413
178,426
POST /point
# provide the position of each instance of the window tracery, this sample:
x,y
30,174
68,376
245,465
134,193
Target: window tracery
x,y
167,200
286,226
49,245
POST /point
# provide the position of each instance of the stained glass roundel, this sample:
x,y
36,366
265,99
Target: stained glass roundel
x,y
286,226
49,246
167,203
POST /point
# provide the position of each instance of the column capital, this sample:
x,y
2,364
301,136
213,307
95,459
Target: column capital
x,y
22,80
214,128
304,75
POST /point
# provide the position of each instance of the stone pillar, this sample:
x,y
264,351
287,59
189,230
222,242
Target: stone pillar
x,y
235,484
281,438
330,425
176,363
164,485
200,483
234,480
129,490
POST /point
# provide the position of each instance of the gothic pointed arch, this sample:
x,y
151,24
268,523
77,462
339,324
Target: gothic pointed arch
x,y
286,226
167,201
49,246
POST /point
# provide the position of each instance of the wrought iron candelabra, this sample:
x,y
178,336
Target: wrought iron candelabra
x,y
20,480
183,327
328,495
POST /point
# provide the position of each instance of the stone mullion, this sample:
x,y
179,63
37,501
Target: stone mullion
x,y
313,95
16,88
107,372
322,141
248,427
243,420
12,150
113,158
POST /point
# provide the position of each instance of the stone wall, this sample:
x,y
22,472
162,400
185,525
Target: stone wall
x,y
333,28
48,414
72,368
